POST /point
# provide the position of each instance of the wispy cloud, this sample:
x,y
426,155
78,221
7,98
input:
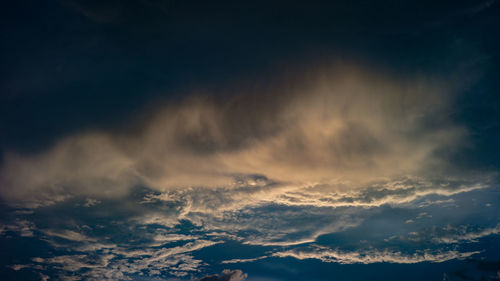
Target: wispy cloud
x,y
243,260
25,228
341,125
68,235
463,234
375,256
112,262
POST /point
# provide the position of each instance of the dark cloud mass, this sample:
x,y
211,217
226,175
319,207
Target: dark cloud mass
x,y
249,140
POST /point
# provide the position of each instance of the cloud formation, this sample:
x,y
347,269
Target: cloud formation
x,y
342,125
168,234
95,261
375,256
227,275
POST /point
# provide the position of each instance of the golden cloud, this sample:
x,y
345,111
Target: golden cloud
x,y
341,124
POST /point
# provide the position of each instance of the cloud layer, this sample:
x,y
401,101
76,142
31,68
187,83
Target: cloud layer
x,y
342,125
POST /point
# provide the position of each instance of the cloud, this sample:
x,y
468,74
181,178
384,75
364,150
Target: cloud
x,y
112,262
173,237
243,260
75,166
18,267
461,234
91,202
270,214
161,250
25,228
340,125
227,275
448,234
375,256
69,235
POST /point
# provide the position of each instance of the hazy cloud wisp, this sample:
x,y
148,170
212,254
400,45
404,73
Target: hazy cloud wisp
x,y
342,125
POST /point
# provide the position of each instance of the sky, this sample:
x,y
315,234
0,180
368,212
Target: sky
x,y
249,140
